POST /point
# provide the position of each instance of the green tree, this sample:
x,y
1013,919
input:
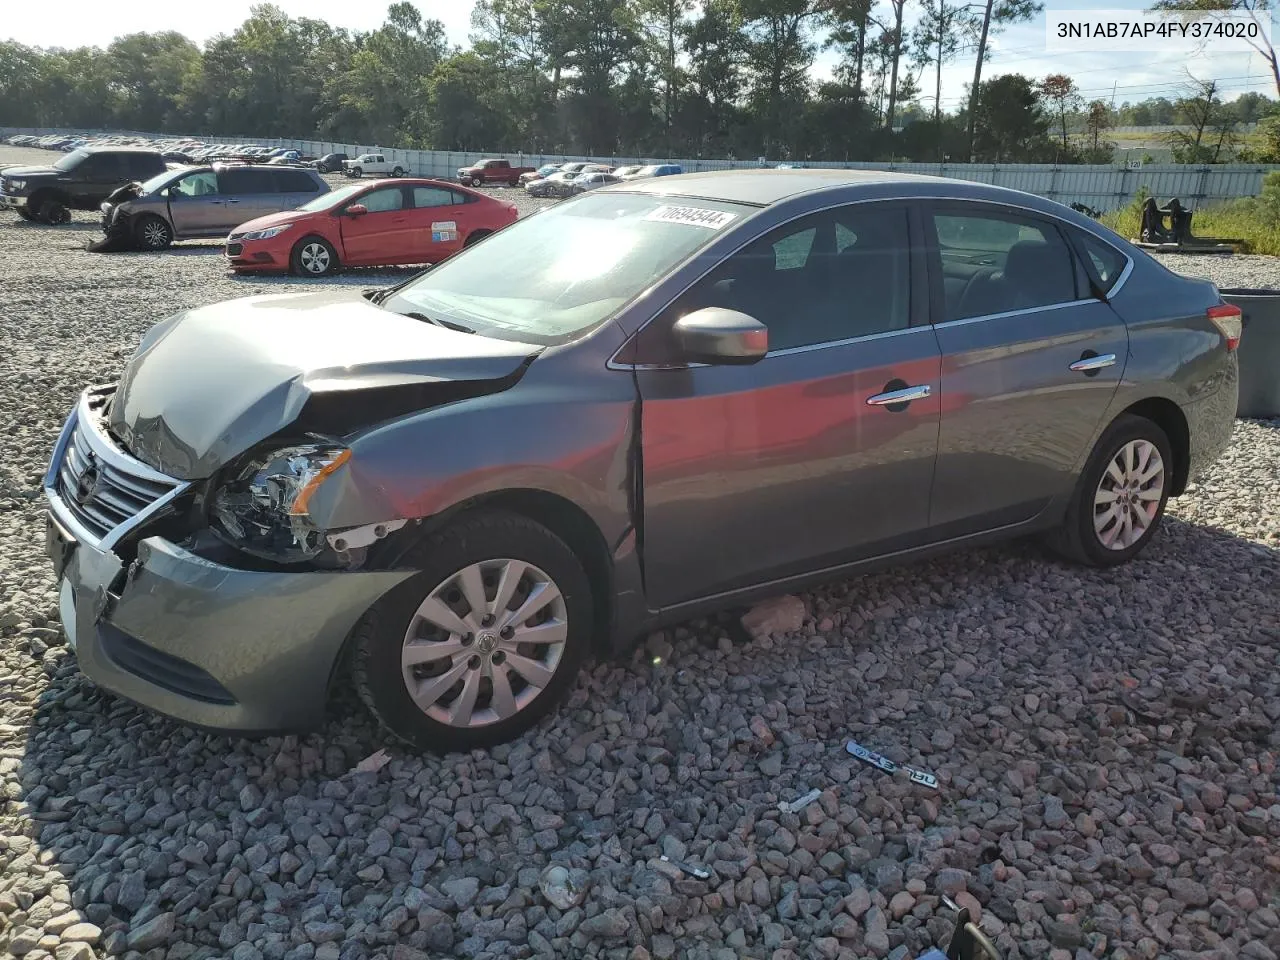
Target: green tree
x,y
944,29
996,15
21,70
1259,10
780,52
465,109
1063,96
148,71
1010,125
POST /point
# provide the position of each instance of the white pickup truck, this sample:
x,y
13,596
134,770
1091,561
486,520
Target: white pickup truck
x,y
374,163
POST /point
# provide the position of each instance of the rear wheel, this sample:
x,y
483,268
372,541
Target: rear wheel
x,y
476,237
513,182
1121,495
314,257
153,233
483,642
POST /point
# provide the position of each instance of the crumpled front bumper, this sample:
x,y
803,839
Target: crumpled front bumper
x,y
9,202
216,646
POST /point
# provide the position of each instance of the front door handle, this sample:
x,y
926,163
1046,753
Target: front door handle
x,y
228,200
1092,362
905,395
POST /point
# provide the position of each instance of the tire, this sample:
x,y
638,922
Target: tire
x,y
152,232
26,215
55,213
475,237
313,256
321,168
398,172
357,172
477,182
1093,533
514,183
487,545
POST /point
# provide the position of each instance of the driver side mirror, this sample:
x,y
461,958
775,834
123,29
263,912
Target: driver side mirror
x,y
357,210
719,336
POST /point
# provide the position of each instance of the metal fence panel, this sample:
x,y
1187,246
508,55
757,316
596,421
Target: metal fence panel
x,y
1104,187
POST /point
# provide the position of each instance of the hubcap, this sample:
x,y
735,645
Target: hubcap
x,y
485,643
315,258
1128,495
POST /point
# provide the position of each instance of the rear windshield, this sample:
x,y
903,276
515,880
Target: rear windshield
x,y
569,268
71,160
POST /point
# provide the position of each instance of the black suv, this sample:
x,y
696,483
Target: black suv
x,y
81,180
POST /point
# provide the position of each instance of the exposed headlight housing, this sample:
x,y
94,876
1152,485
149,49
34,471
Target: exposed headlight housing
x,y
263,511
16,185
268,233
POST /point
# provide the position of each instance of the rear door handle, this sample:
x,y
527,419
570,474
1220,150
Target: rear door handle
x,y
1090,364
905,395
228,200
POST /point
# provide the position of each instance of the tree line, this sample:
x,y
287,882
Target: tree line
x,y
657,78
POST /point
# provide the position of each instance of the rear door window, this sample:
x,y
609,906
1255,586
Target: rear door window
x,y
998,261
424,197
143,166
242,180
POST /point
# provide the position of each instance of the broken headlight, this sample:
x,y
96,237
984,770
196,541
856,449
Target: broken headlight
x,y
263,511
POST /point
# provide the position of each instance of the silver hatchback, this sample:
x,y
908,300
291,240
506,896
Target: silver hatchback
x,y
203,202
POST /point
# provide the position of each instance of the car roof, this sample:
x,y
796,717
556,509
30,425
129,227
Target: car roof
x,y
766,187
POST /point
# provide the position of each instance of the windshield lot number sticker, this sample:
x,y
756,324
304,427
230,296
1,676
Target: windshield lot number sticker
x,y
443,231
692,216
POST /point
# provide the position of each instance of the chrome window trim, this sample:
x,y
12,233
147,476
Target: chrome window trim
x,y
613,363
114,458
1014,313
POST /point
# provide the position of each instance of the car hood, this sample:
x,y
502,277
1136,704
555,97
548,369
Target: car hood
x,y
29,172
270,220
206,385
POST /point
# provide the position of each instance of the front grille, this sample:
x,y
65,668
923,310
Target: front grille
x,y
162,669
99,494
235,249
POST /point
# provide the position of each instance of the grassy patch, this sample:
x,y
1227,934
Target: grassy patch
x,y
1255,220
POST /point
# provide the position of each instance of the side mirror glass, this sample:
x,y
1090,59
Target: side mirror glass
x,y
357,210
720,336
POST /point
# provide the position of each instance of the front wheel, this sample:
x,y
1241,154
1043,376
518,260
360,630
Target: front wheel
x,y
483,642
1121,495
25,214
153,233
314,257
398,172
476,182
357,172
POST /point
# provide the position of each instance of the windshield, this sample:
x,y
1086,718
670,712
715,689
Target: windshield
x,y
333,198
71,160
549,279
548,169
648,171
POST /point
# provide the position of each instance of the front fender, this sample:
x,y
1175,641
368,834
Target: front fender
x,y
567,428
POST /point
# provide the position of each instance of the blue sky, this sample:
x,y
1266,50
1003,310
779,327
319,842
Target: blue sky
x,y
1020,49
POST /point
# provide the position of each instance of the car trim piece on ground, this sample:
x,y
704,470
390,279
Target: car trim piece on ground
x,y
614,363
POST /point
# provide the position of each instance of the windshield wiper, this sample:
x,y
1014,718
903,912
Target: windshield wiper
x,y
449,324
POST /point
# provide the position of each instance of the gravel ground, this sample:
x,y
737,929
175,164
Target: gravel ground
x,y
1105,742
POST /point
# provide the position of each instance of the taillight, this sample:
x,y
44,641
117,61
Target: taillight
x,y
1228,318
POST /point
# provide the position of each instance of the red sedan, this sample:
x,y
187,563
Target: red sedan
x,y
383,223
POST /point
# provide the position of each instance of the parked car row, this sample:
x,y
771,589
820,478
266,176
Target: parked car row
x,y
578,176
174,150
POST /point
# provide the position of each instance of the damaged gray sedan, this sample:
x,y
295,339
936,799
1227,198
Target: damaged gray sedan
x,y
647,403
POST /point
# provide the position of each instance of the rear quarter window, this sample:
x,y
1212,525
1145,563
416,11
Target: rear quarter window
x,y
1105,260
295,181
